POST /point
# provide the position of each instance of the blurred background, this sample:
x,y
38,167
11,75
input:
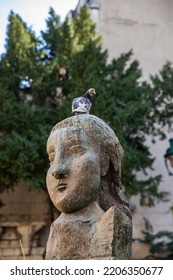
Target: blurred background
x,y
123,49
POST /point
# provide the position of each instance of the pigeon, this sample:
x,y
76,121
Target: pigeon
x,y
82,104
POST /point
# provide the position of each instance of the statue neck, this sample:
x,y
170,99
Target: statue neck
x,y
90,213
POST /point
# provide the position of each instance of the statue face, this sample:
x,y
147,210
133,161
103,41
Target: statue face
x,y
73,178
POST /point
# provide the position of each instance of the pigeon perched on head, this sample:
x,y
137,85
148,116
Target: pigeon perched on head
x,y
82,104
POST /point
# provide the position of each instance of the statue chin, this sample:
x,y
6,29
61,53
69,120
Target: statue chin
x,y
73,202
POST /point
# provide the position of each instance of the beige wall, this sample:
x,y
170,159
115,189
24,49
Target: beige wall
x,y
146,26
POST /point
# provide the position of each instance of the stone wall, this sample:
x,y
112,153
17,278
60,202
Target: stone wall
x,y
24,223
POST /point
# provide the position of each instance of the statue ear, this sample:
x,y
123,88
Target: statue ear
x,y
105,159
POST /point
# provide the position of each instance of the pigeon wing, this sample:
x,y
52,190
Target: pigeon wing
x,y
81,104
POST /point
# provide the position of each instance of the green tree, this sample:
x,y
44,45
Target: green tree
x,y
160,98
18,62
25,117
62,42
85,30
23,137
22,69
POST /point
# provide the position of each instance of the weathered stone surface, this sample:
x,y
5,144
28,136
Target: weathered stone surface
x,y
84,183
90,234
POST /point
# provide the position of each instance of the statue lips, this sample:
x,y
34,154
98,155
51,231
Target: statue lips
x,y
61,186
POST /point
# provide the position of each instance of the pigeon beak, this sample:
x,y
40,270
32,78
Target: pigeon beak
x,y
94,92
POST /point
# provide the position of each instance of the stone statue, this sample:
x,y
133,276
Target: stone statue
x,y
84,184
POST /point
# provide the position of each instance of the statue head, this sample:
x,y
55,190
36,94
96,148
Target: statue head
x,y
85,164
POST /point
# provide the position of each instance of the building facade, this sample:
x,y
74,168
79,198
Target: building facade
x,y
24,223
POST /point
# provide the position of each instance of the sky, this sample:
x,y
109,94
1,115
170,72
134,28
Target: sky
x,y
33,12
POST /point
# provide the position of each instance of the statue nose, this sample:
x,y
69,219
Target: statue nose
x,y
61,171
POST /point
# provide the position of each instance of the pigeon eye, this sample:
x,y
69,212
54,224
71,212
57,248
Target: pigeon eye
x,y
77,150
51,157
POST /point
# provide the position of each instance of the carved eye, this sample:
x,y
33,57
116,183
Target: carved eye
x,y
51,157
77,150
